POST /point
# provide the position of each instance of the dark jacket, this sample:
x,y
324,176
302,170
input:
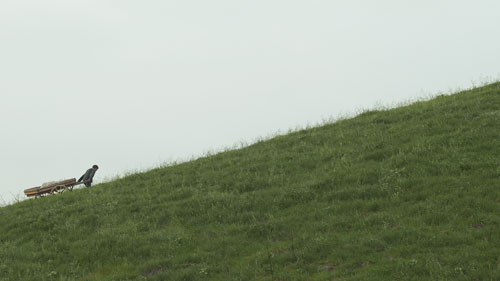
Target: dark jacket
x,y
88,176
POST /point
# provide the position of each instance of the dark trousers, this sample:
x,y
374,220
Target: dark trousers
x,y
88,184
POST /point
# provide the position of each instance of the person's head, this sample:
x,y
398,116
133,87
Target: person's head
x,y
95,167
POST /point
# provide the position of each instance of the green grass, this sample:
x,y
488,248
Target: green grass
x,y
411,193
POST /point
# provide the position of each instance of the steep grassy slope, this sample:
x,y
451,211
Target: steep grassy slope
x,y
411,193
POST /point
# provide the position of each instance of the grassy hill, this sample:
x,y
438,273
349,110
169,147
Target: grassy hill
x,y
411,193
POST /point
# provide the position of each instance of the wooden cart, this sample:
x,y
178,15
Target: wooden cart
x,y
57,187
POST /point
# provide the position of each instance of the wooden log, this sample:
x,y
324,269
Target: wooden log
x,y
31,191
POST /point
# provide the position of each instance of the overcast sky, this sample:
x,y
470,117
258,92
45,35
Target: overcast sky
x,y
129,85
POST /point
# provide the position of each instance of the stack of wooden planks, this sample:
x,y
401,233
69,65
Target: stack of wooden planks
x,y
51,189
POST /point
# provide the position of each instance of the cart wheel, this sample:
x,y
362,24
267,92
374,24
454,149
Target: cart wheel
x,y
56,189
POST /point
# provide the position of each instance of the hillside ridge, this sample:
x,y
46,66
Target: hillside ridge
x,y
410,193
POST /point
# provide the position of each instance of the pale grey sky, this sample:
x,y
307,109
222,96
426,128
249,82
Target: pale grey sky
x,y
131,84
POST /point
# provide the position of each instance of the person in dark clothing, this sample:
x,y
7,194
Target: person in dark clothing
x,y
88,176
